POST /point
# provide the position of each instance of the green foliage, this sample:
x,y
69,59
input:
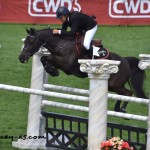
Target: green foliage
x,y
126,41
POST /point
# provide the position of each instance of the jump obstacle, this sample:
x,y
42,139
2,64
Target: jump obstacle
x,y
98,73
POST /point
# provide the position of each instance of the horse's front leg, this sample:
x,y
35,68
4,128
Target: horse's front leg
x,y
48,66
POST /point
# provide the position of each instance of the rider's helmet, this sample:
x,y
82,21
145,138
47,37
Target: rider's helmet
x,y
62,11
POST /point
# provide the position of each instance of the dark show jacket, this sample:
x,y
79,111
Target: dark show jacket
x,y
78,22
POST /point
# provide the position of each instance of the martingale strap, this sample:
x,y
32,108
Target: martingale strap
x,y
77,44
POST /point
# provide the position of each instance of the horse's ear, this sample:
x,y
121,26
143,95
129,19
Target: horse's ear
x,y
32,31
28,31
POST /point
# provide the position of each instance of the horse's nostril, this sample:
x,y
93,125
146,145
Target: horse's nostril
x,y
21,59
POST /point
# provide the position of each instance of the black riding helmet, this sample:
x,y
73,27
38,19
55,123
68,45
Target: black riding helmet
x,y
62,11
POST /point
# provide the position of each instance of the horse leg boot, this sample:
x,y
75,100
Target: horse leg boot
x,y
124,106
49,68
117,106
125,92
118,102
43,60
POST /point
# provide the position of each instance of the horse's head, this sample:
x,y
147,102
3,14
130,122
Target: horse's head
x,y
31,45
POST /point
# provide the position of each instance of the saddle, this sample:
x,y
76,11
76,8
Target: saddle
x,y
97,42
99,52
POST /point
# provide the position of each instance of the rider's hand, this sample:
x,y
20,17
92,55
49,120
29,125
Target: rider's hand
x,y
55,31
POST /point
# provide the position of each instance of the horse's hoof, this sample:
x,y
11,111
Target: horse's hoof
x,y
123,110
117,109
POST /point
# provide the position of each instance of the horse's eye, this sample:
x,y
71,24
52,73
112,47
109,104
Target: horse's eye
x,y
31,40
25,41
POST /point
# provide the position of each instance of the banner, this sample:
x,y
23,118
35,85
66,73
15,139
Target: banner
x,y
107,12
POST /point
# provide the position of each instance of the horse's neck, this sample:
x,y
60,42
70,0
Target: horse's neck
x,y
46,36
55,43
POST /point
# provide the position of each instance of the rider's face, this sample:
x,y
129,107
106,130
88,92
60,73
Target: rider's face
x,y
63,19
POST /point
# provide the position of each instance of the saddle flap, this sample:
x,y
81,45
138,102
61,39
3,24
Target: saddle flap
x,y
100,53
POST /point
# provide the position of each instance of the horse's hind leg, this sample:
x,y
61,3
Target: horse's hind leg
x,y
122,91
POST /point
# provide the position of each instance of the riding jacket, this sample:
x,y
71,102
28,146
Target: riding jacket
x,y
78,22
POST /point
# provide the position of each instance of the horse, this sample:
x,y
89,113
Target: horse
x,y
64,55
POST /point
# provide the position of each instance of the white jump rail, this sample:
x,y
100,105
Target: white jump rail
x,y
66,89
86,92
128,98
86,109
71,97
43,93
64,105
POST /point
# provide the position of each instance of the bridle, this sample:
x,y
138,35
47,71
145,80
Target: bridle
x,y
38,45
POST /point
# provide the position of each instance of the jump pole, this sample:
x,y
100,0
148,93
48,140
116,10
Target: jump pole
x,y
35,125
98,72
145,64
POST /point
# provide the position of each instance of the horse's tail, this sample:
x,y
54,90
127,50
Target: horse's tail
x,y
137,77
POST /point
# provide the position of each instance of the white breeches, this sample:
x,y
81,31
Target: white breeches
x,y
89,35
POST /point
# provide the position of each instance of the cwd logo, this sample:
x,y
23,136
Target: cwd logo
x,y
48,8
129,8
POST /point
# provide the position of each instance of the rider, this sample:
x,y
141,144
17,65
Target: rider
x,y
78,22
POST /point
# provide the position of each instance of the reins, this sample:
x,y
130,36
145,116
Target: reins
x,y
58,49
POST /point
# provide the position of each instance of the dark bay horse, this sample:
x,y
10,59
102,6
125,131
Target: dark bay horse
x,y
65,52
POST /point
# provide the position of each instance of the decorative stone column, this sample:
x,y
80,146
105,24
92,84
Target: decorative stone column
x,y
98,72
145,64
145,61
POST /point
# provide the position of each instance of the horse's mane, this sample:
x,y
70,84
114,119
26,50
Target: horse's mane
x,y
42,30
56,35
49,29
